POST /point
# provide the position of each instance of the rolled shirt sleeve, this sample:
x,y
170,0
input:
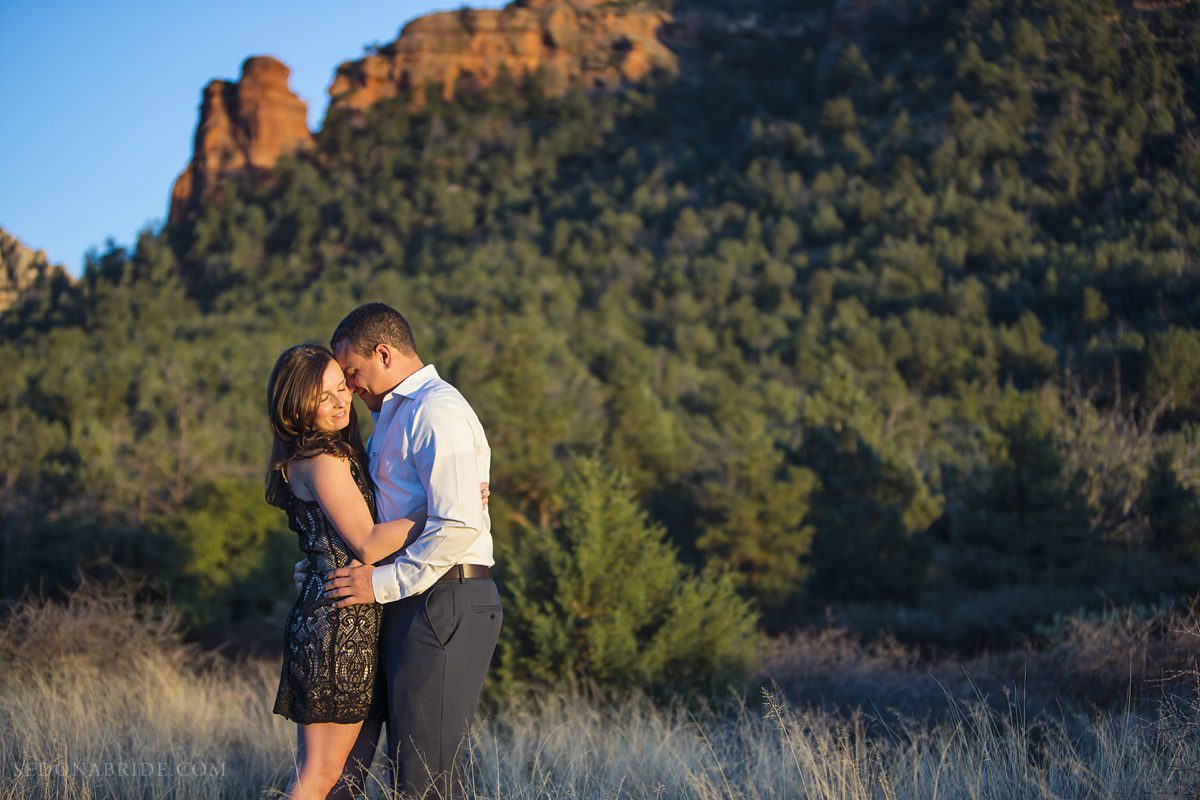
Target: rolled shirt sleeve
x,y
444,450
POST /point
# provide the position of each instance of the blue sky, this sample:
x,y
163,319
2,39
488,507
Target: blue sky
x,y
100,99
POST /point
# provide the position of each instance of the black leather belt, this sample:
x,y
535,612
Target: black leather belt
x,y
462,572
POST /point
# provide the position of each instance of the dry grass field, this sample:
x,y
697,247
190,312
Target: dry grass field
x,y
100,698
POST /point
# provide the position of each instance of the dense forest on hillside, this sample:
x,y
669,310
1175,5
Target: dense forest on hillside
x,y
902,330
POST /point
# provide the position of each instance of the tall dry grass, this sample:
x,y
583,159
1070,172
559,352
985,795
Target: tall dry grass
x,y
101,698
1108,661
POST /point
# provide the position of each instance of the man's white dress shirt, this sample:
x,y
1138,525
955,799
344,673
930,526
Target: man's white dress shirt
x,y
429,453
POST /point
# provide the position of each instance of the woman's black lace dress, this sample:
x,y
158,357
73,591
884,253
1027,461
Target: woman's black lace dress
x,y
329,655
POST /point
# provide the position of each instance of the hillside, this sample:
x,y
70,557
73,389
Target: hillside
x,y
886,309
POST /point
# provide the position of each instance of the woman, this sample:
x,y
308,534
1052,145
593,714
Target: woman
x,y
317,475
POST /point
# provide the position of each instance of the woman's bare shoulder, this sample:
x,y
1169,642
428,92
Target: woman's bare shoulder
x,y
319,464
302,473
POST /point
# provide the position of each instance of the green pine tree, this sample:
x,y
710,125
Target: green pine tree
x,y
602,598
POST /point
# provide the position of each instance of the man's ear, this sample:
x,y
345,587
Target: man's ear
x,y
384,353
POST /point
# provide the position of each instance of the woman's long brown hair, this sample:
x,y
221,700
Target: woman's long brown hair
x,y
293,394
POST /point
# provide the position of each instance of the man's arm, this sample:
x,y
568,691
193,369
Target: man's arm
x,y
352,584
444,453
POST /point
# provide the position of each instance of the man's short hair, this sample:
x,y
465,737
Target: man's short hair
x,y
371,324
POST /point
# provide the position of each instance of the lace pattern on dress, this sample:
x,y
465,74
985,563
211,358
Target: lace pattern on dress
x,y
330,654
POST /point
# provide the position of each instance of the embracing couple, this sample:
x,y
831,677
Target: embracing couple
x,y
398,616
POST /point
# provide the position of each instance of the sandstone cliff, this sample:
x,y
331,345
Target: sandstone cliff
x,y
244,128
592,44
24,272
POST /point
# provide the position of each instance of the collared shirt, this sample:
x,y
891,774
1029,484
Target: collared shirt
x,y
429,453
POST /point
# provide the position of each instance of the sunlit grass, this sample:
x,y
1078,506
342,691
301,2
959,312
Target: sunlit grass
x,y
153,717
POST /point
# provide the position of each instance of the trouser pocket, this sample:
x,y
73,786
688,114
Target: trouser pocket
x,y
441,612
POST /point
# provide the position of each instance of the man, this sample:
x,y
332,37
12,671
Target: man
x,y
442,610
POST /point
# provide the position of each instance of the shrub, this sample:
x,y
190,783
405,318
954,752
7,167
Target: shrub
x,y
602,598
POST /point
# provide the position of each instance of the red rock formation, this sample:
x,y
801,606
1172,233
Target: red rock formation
x,y
576,43
24,272
244,128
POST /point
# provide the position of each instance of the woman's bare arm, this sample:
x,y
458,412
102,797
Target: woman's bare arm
x,y
329,480
331,483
